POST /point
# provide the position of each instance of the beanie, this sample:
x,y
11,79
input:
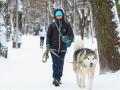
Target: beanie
x,y
58,13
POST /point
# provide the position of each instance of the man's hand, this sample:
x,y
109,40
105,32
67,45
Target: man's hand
x,y
45,55
68,43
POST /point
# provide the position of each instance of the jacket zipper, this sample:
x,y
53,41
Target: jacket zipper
x,y
59,36
59,44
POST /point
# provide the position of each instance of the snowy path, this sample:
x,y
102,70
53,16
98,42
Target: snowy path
x,y
24,70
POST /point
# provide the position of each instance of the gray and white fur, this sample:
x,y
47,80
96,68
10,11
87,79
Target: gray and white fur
x,y
84,63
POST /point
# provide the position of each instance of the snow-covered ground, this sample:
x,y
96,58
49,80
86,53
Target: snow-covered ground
x,y
24,70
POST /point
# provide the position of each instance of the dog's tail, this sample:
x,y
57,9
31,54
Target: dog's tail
x,y
78,44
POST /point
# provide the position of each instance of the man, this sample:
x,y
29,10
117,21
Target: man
x,y
56,44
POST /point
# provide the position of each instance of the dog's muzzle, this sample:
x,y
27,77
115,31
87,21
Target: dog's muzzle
x,y
91,64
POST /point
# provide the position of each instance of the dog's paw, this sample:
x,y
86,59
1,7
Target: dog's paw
x,y
81,86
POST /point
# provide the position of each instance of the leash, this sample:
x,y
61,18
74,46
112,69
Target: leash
x,y
56,54
62,58
44,58
52,51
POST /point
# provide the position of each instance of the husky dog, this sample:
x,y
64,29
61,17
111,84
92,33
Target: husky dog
x,y
84,63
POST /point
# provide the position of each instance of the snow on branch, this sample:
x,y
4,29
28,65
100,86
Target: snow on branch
x,y
115,15
70,3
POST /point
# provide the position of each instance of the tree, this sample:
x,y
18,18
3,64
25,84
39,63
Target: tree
x,y
107,36
118,6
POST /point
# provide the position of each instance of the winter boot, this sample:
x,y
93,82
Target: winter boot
x,y
56,83
60,82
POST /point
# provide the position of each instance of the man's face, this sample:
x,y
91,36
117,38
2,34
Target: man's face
x,y
58,17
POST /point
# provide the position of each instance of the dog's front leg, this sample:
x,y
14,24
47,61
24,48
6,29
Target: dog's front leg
x,y
82,80
90,79
77,72
77,76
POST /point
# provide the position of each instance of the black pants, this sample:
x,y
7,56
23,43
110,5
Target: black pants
x,y
58,64
41,42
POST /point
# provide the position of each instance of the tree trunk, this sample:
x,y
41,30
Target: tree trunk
x,y
108,42
20,20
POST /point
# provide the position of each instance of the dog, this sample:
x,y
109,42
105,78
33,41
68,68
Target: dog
x,y
84,63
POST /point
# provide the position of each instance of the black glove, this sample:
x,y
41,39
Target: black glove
x,y
45,55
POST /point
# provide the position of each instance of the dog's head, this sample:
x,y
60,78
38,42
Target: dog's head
x,y
90,59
